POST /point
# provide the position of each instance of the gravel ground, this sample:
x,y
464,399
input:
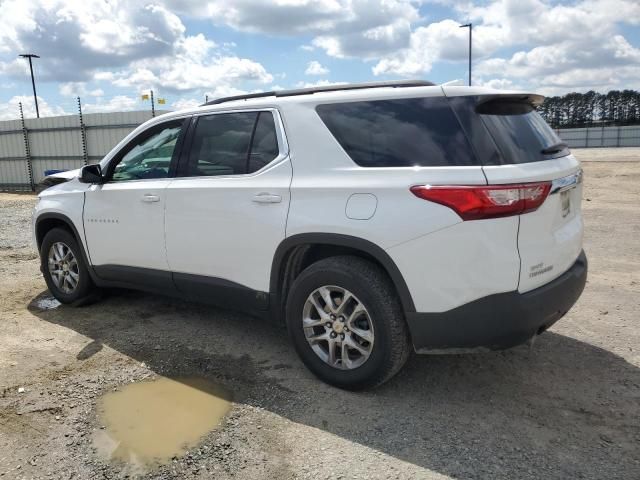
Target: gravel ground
x,y
625,154
567,408
15,215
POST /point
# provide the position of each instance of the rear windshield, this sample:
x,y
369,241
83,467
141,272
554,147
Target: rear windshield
x,y
520,132
411,132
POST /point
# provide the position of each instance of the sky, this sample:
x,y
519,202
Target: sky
x,y
110,52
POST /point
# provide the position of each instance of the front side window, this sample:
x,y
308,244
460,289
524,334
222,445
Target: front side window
x,y
232,144
151,156
408,132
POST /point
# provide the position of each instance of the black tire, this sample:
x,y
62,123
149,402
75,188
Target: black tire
x,y
373,288
85,291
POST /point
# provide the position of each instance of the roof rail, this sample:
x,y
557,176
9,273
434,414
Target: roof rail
x,y
324,88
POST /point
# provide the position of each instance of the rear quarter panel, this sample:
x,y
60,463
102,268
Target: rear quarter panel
x,y
434,250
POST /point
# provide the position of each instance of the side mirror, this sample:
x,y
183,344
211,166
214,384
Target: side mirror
x,y
91,174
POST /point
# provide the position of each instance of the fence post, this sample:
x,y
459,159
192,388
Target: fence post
x,y
27,150
618,137
586,137
602,136
83,134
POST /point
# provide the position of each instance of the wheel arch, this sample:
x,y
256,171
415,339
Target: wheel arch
x,y
297,251
47,221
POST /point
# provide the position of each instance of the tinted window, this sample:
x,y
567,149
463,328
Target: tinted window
x,y
520,132
221,144
398,133
150,157
265,143
233,144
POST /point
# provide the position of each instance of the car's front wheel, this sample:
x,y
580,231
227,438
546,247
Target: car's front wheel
x,y
346,322
64,268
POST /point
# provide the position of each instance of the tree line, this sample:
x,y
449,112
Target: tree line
x,y
617,107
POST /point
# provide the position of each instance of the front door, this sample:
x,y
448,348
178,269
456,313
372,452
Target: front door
x,y
124,217
226,211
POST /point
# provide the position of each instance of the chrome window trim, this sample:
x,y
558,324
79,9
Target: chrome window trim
x,y
283,145
153,125
112,154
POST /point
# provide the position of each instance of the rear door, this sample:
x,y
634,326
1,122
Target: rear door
x,y
549,238
226,211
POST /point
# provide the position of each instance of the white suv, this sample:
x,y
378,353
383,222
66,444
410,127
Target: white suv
x,y
370,218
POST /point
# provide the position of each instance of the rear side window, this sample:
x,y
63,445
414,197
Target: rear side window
x,y
420,132
264,147
520,133
232,144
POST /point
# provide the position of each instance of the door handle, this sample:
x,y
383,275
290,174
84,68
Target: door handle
x,y
150,198
267,198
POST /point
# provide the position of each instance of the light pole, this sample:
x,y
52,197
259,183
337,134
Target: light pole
x,y
33,82
470,25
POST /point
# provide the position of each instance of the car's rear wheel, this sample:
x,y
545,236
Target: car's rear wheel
x,y
346,322
64,268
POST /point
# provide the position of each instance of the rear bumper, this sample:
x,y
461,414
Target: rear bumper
x,y
498,321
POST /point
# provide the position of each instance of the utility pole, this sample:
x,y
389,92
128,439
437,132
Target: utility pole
x,y
470,26
29,56
153,107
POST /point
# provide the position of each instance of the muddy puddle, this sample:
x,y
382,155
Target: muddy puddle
x,y
148,423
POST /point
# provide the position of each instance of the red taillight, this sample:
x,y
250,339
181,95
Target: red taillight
x,y
490,201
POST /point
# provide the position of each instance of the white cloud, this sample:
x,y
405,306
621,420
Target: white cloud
x,y
89,46
574,46
195,64
366,43
427,45
74,38
224,91
119,103
344,28
315,68
11,109
572,64
500,83
140,77
75,89
183,74
319,83
129,44
186,103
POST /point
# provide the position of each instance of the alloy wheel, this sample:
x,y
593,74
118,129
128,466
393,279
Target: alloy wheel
x,y
338,327
63,267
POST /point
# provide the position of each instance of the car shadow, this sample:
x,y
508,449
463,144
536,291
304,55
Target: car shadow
x,y
563,409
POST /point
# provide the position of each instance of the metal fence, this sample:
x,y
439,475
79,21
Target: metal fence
x,y
601,136
30,146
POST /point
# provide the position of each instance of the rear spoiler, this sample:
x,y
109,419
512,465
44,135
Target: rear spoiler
x,y
482,94
530,98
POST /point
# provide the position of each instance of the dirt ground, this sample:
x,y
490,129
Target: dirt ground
x,y
567,408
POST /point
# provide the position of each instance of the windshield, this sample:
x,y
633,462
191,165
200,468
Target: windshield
x,y
520,132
